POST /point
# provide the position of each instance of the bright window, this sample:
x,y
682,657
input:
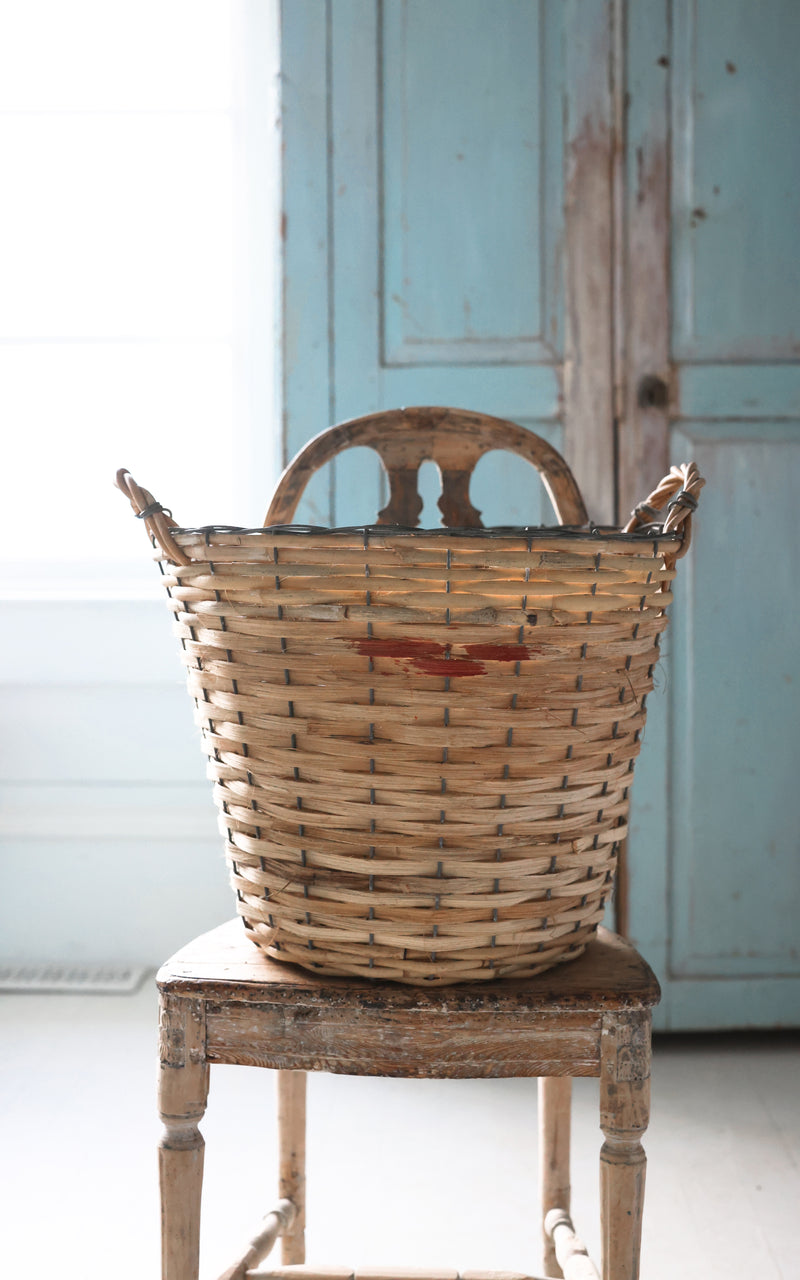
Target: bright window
x,y
125,163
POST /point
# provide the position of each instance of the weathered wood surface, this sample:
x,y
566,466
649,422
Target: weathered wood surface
x,y
224,963
588,251
555,1116
646,392
410,1045
624,1115
383,1273
275,1223
183,1091
453,438
292,1160
224,1000
573,1260
265,1013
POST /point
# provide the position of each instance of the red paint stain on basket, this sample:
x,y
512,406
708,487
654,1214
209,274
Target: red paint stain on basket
x,y
372,648
426,656
498,652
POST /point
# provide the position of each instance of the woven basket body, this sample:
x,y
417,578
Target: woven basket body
x,y
422,743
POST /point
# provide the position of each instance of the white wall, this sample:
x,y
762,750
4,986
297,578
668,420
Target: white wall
x,y
109,848
108,842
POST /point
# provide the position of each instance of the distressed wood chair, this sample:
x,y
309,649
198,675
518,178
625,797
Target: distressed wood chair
x,y
225,1001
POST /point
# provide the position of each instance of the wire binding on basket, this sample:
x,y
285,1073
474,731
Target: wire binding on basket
x,y
682,486
152,510
157,519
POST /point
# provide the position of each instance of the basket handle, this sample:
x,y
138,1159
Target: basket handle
x,y
454,439
157,519
679,492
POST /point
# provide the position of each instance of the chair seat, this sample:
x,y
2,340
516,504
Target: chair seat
x,y
262,1012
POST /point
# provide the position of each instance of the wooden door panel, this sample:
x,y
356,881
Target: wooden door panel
x,y
470,196
714,881
437,222
458,230
736,710
736,180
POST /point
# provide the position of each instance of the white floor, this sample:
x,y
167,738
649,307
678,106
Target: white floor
x,y
400,1172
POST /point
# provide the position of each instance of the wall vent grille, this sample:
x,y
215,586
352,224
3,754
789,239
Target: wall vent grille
x,y
86,979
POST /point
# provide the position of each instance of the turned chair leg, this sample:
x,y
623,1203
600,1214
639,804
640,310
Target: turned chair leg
x,y
183,1091
624,1114
292,1154
555,1108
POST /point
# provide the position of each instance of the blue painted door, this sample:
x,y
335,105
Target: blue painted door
x,y
435,251
582,215
713,203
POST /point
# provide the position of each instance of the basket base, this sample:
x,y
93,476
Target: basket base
x,y
421,969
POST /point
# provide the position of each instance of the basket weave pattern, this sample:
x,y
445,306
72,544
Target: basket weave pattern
x,y
422,742
422,747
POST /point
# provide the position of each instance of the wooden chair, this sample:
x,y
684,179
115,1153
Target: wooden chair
x,y
223,1000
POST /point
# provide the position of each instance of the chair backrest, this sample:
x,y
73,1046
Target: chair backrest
x,y
454,439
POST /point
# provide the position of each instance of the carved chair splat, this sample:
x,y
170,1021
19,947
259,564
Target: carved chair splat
x,y
454,439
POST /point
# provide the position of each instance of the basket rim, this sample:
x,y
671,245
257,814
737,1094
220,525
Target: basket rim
x,y
643,533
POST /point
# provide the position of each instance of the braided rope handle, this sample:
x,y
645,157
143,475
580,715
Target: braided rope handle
x,y
157,519
678,492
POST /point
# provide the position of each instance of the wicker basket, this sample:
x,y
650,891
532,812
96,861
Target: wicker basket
x,y
422,742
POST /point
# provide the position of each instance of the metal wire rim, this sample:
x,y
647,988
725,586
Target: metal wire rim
x,y
612,532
